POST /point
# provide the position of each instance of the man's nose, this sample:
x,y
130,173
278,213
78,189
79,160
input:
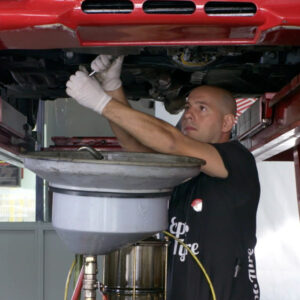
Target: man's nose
x,y
188,113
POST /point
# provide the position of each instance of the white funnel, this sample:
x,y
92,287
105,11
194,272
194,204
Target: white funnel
x,y
101,205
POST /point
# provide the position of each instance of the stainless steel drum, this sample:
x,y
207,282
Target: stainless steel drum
x,y
136,272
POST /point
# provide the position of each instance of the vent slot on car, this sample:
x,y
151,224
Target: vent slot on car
x,y
169,7
222,8
107,6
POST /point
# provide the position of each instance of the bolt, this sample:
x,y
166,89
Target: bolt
x,y
69,54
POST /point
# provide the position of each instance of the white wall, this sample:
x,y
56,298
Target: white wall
x,y
65,117
161,113
17,204
278,233
28,180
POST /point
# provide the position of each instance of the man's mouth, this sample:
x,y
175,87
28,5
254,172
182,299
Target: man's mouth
x,y
189,128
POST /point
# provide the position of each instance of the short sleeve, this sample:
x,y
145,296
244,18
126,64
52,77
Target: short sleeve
x,y
242,172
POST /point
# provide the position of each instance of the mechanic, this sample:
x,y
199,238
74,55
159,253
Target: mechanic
x,y
214,213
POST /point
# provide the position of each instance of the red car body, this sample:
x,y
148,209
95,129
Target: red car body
x,y
46,24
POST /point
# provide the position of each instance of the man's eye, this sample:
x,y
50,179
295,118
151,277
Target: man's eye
x,y
202,108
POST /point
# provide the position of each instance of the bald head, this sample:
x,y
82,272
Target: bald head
x,y
224,98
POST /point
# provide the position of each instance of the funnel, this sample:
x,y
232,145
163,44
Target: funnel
x,y
102,205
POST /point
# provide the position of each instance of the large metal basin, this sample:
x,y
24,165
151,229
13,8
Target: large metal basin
x,y
118,171
102,205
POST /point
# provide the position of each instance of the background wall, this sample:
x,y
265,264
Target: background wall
x,y
278,233
162,114
17,204
65,117
34,263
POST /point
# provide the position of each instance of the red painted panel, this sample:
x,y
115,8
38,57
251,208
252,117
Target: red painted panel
x,y
5,142
23,25
287,91
285,119
283,156
39,38
164,33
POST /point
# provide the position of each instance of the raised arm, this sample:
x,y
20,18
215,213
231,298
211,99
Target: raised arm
x,y
108,73
163,137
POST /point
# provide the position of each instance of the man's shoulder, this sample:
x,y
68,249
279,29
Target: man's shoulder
x,y
233,144
237,158
233,147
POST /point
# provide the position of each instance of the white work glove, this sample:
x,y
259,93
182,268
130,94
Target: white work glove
x,y
87,91
109,71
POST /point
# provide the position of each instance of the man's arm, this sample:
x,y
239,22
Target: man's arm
x,y
108,71
127,141
163,137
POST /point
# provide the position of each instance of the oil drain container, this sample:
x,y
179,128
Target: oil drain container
x,y
102,205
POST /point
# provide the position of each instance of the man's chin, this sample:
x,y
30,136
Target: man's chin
x,y
192,134
195,136
188,133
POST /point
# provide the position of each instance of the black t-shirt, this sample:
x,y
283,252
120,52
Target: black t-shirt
x,y
217,219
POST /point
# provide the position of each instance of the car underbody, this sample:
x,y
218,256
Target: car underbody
x,y
160,73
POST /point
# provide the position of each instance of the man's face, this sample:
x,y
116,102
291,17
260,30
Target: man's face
x,y
203,118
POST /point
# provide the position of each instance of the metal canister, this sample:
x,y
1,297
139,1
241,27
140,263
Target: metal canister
x,y
137,272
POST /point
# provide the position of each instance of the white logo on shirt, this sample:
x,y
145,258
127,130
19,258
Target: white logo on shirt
x,y
252,273
179,229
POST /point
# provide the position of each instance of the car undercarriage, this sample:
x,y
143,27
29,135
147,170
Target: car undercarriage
x,y
163,74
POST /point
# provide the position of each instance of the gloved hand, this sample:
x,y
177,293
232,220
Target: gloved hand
x,y
87,91
109,71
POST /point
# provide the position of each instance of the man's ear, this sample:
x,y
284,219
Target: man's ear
x,y
228,122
